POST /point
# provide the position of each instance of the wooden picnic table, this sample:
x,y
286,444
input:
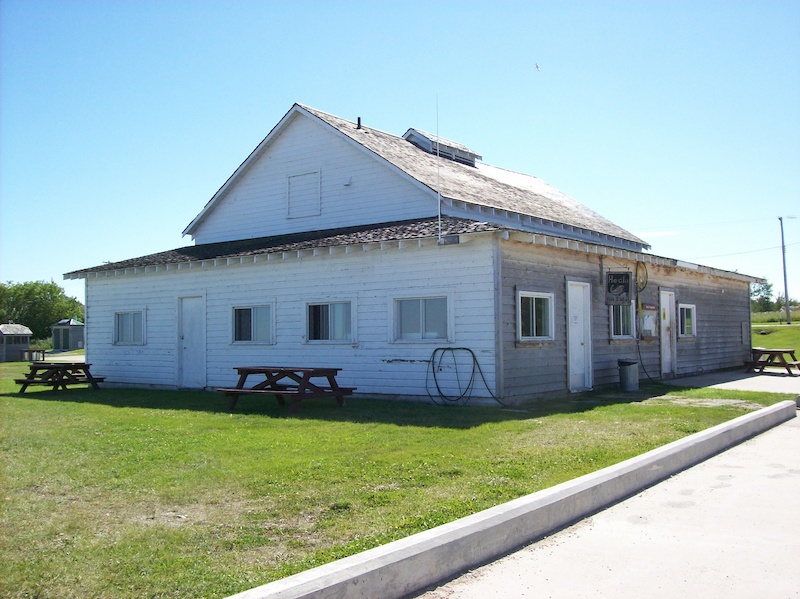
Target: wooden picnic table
x,y
285,381
763,357
59,375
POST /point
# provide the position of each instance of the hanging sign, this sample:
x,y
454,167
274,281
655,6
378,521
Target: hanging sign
x,y
618,288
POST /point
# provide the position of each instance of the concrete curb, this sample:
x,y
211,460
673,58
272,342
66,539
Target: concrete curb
x,y
409,565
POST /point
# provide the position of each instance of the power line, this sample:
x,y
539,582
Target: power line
x,y
716,223
777,247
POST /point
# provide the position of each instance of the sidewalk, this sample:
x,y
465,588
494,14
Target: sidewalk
x,y
728,527
771,381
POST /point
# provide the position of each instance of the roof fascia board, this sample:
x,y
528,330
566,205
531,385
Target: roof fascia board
x,y
243,168
535,224
554,241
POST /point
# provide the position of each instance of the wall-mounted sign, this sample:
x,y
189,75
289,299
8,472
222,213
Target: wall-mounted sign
x,y
618,288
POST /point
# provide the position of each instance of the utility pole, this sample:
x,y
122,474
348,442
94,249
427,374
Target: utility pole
x,y
785,286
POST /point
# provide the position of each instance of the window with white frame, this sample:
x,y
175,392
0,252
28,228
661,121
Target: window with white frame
x,y
622,321
420,319
330,322
129,328
535,319
252,324
687,315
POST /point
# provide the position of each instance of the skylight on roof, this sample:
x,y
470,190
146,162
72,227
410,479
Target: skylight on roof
x,y
445,148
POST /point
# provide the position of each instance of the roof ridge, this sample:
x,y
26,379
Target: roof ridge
x,y
317,112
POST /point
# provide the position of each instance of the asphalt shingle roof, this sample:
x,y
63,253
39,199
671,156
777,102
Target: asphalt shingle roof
x,y
395,231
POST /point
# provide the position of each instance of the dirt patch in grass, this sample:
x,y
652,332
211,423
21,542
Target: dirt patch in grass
x,y
708,402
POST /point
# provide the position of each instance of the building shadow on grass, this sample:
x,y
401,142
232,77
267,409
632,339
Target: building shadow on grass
x,y
357,410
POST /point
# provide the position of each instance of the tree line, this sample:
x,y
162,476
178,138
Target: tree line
x,y
37,305
761,298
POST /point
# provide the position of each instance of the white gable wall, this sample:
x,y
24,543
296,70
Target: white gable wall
x,y
371,280
350,181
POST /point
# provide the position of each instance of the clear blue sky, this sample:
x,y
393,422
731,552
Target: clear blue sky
x,y
680,121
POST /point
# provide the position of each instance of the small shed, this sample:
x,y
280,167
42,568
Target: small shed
x,y
67,335
14,339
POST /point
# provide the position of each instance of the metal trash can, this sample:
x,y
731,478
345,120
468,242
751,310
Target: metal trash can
x,y
628,375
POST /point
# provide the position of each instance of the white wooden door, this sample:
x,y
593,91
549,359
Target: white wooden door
x,y
191,343
579,335
667,331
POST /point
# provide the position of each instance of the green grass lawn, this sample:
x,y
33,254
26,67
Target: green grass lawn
x,y
131,493
775,317
776,336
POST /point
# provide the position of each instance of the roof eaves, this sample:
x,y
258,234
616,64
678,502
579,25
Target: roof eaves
x,y
224,251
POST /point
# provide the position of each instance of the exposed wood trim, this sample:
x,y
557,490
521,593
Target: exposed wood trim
x,y
539,239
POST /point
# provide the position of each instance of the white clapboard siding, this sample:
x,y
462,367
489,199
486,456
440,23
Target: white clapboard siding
x,y
350,181
370,280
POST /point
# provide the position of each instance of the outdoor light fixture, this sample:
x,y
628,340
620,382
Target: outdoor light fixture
x,y
785,286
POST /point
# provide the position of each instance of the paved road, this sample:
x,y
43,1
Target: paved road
x,y
729,527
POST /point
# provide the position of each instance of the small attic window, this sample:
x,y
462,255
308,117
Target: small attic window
x,y
443,147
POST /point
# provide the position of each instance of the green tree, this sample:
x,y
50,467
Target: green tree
x,y
761,297
37,305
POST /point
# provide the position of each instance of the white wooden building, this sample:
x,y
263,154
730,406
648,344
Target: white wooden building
x,y
335,244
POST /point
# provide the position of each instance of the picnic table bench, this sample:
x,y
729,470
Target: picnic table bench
x,y
59,375
32,355
283,381
763,357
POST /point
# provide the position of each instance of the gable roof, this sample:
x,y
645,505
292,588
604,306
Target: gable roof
x,y
68,322
460,185
14,329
